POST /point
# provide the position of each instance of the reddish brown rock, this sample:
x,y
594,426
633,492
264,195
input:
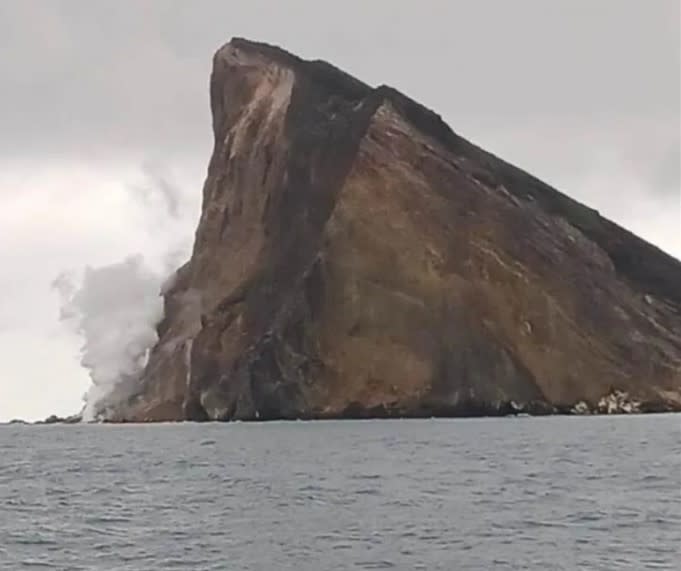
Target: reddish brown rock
x,y
355,257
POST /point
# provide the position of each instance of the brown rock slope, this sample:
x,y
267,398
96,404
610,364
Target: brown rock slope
x,y
355,257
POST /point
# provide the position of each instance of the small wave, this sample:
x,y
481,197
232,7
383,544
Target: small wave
x,y
34,541
368,492
375,565
103,519
36,563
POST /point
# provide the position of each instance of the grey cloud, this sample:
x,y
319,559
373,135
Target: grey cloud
x,y
666,177
83,76
158,183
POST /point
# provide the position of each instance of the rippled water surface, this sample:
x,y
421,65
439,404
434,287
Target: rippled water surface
x,y
530,493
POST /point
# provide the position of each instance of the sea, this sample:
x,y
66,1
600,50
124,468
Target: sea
x,y
549,493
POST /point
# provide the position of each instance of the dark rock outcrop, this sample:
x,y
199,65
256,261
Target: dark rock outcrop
x,y
54,419
355,257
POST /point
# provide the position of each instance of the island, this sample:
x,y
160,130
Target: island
x,y
357,258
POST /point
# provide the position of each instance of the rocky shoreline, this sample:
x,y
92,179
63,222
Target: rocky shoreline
x,y
614,403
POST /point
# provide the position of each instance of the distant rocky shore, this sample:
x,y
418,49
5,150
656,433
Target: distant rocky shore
x,y
52,419
615,403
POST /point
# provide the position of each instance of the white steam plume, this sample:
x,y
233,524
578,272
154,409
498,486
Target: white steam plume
x,y
115,308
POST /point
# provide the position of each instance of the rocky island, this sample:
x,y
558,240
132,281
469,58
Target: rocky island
x,y
355,258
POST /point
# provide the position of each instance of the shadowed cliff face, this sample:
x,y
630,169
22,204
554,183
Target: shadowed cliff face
x,y
355,257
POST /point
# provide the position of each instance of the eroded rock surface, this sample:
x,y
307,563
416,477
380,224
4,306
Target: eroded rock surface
x,y
355,257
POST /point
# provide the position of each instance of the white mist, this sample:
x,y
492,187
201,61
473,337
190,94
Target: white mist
x,y
115,308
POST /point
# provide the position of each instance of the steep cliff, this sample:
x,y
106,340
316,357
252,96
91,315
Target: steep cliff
x,y
355,257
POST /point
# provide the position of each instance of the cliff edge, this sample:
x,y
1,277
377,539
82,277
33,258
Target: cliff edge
x,y
356,257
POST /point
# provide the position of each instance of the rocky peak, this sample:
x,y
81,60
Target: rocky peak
x,y
356,257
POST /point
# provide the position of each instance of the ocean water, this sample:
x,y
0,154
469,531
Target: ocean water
x,y
512,493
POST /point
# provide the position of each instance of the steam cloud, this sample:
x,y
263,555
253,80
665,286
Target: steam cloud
x,y
115,308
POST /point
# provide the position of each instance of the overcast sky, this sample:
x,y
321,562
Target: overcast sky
x,y
102,101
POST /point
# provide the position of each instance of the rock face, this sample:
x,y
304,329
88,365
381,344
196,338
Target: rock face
x,y
355,257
